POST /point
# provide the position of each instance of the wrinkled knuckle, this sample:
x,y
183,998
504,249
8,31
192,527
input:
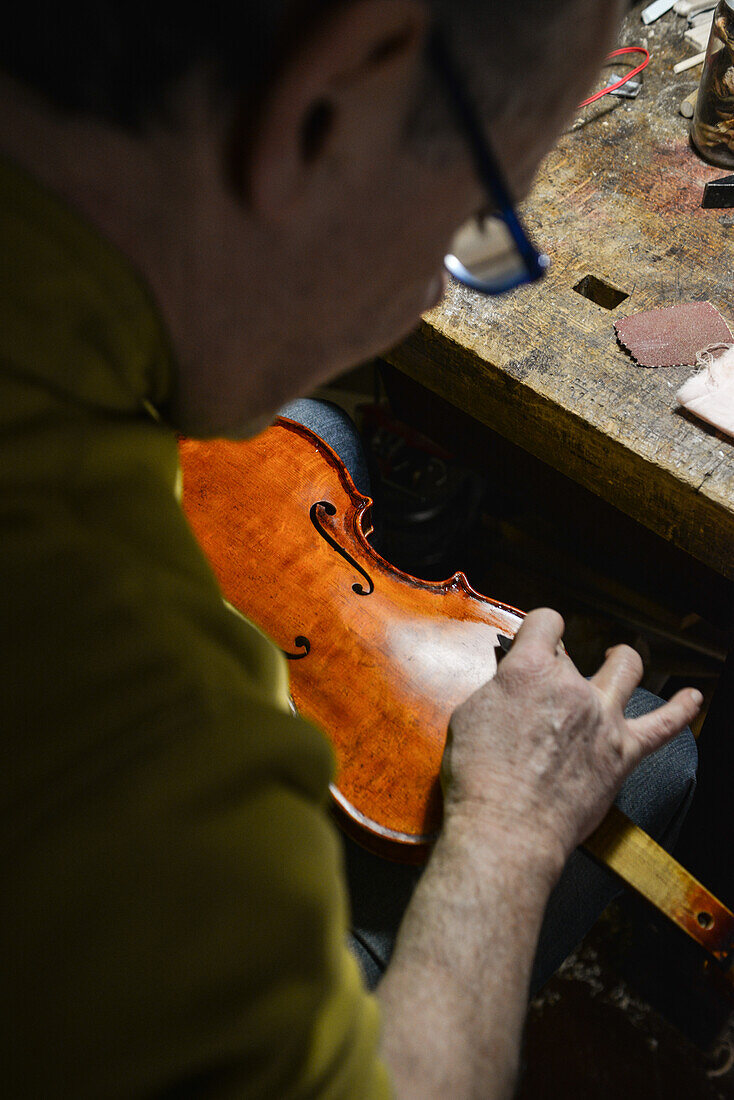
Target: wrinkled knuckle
x,y
665,723
630,658
531,662
554,618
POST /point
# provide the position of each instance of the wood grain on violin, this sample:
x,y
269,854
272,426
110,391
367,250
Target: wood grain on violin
x,y
378,659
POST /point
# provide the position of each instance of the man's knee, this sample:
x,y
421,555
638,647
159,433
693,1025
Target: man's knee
x,y
659,792
332,424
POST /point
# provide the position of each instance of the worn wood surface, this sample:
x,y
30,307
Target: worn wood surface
x,y
619,198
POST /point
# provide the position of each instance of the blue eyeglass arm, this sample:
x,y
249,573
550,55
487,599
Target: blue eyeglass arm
x,y
485,163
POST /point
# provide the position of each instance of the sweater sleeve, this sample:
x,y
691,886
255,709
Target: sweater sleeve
x,y
174,915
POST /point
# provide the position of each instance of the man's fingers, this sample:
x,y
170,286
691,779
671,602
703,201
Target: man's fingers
x,y
619,675
543,626
660,726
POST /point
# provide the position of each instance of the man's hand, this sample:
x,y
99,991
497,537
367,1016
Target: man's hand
x,y
540,751
532,763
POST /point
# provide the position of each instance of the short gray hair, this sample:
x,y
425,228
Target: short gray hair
x,y
115,59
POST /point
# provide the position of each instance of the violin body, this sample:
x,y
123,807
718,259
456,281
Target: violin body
x,y
378,659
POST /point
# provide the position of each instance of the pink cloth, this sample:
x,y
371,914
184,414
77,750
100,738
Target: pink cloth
x,y
709,394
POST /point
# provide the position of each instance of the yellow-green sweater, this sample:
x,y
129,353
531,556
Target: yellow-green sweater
x,y
173,912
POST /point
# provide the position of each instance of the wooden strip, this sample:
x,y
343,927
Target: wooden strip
x,y
690,62
648,869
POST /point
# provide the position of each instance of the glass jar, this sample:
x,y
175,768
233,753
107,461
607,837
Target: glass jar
x,y
712,128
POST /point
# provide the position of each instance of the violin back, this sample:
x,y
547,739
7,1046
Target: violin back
x,y
378,659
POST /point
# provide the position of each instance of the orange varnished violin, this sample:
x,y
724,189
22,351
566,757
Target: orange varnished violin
x,y
378,659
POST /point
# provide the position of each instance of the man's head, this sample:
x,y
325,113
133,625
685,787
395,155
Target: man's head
x,y
288,176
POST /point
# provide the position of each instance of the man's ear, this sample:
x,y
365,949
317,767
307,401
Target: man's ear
x,y
347,80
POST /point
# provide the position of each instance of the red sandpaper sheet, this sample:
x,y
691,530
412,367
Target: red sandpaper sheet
x,y
672,337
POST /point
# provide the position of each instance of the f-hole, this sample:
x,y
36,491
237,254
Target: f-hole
x,y
329,509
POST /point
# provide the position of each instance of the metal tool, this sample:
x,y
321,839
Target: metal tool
x,y
719,194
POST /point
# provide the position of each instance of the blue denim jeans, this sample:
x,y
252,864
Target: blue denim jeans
x,y
656,796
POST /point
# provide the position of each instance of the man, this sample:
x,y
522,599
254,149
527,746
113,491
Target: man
x,y
205,213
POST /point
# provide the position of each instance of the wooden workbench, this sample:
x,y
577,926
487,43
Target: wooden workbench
x,y
618,199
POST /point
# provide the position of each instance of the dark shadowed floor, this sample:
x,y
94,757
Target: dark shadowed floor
x,y
591,1035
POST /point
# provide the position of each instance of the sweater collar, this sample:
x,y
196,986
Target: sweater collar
x,y
74,313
